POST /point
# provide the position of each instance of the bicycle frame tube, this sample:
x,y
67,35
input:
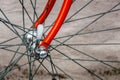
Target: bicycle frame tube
x,y
45,13
58,23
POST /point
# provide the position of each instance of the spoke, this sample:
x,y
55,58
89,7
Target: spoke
x,y
35,13
79,11
60,70
8,40
10,45
91,44
34,8
44,67
41,63
26,11
20,66
24,64
52,67
79,64
92,15
97,19
87,26
67,20
23,15
32,72
63,72
11,61
11,64
88,60
14,25
91,32
30,67
12,29
17,60
9,50
80,52
74,0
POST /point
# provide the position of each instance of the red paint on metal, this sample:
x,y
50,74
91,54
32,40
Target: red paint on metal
x,y
45,13
58,23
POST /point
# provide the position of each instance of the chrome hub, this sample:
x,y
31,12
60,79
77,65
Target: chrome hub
x,y
32,39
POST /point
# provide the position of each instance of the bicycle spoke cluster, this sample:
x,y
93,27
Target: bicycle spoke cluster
x,y
31,43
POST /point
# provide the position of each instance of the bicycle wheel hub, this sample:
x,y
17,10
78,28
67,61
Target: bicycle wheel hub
x,y
32,39
30,36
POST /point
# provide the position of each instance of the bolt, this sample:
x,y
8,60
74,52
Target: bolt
x,y
41,52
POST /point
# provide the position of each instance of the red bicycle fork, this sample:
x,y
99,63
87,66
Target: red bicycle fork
x,y
58,23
